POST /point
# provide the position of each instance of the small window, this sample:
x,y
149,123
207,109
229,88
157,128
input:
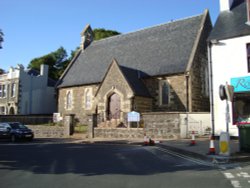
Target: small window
x,y
13,90
164,93
248,57
4,90
69,100
2,110
1,91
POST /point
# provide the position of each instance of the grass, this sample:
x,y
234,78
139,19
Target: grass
x,y
79,128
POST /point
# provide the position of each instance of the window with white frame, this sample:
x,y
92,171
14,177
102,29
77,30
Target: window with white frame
x,y
4,91
13,90
69,100
164,92
1,91
87,99
2,110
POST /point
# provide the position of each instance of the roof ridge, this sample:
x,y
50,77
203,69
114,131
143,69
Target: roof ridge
x,y
146,28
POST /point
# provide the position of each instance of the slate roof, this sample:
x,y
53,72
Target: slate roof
x,y
231,23
133,78
160,50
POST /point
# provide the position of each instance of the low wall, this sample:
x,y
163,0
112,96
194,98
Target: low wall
x,y
41,131
120,133
162,125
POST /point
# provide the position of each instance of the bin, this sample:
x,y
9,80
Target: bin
x,y
244,137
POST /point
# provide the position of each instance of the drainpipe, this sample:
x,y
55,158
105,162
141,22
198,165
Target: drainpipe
x,y
211,91
187,102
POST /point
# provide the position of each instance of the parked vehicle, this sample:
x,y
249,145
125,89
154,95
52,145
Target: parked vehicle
x,y
15,131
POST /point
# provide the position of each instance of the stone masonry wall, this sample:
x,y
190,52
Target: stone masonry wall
x,y
199,70
177,93
157,125
47,131
162,125
78,106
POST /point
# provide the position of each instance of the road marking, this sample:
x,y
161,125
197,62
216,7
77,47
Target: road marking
x,y
229,175
236,184
197,161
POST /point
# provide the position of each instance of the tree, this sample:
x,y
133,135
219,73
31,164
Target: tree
x,y
1,38
55,60
2,71
101,33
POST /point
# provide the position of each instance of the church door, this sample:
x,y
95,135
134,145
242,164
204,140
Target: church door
x,y
114,104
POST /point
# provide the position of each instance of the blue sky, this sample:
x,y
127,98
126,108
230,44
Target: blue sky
x,y
33,28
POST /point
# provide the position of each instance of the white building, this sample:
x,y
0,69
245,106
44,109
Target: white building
x,y
229,47
27,92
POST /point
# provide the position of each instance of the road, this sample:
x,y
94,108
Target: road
x,y
36,165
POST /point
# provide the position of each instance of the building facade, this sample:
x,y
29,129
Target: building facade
x,y
158,69
229,44
27,92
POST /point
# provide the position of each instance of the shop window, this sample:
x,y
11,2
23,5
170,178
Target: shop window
x,y
248,57
164,92
241,109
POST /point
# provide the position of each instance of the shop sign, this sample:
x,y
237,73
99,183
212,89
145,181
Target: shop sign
x,y
241,84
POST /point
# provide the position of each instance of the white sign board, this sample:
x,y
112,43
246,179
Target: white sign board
x,y
133,116
56,117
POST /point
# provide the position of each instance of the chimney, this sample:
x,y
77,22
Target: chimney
x,y
87,36
44,70
225,5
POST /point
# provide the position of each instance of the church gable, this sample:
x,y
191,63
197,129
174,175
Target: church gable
x,y
114,82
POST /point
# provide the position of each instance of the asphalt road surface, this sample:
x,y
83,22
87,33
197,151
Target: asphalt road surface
x,y
71,165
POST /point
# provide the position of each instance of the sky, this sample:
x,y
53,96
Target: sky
x,y
33,28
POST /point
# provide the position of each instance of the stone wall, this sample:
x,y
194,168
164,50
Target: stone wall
x,y
162,125
78,100
120,133
41,131
199,73
177,93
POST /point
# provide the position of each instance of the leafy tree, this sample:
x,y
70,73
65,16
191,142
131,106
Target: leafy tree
x,y
58,60
55,60
1,38
101,33
2,71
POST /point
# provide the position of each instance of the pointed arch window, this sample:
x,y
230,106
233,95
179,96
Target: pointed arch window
x,y
87,99
164,92
69,100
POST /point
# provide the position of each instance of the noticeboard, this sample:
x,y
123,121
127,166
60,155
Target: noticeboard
x,y
133,116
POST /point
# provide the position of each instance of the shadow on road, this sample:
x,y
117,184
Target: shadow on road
x,y
91,159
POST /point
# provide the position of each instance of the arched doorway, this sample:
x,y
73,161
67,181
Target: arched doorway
x,y
12,111
113,107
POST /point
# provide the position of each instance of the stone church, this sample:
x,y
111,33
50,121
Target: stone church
x,y
158,69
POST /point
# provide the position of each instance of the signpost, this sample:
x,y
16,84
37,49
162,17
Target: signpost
x,y
226,92
134,117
